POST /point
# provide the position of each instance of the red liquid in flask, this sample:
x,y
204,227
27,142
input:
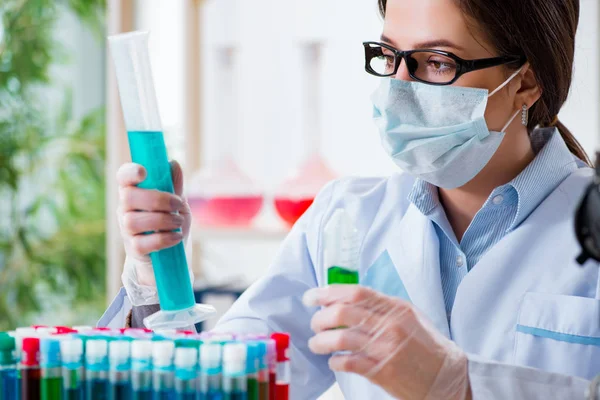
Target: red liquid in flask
x,y
225,211
291,210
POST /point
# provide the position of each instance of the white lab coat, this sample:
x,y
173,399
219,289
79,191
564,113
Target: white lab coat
x,y
524,304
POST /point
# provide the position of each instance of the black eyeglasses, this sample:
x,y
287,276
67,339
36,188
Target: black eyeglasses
x,y
434,67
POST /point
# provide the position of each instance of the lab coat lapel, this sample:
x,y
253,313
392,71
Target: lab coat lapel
x,y
414,249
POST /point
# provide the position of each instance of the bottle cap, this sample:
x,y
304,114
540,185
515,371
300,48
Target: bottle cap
x,y
71,351
7,348
141,349
210,358
162,353
282,344
234,359
44,331
271,353
96,353
186,357
31,352
82,328
252,357
63,330
119,355
261,354
49,353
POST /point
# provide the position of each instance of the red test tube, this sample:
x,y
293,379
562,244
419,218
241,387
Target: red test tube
x,y
284,372
30,369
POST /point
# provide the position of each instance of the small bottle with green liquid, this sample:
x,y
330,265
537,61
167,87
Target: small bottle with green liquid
x,y
341,249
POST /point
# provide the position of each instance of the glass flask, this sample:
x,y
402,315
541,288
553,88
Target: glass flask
x,y
295,195
222,195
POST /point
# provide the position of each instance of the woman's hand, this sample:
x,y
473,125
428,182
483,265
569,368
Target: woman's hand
x,y
141,211
388,342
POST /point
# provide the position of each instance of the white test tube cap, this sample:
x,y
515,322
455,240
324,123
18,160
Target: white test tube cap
x,y
45,331
234,358
162,353
210,355
134,77
186,357
119,351
71,350
82,328
141,349
96,349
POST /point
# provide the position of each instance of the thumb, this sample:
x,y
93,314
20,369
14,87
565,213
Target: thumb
x,y
177,176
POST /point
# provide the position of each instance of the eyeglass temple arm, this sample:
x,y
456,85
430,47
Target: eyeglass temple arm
x,y
484,63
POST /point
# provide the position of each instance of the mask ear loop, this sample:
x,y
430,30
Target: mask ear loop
x,y
510,121
510,78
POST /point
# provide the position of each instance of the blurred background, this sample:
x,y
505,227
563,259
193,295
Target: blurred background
x,y
255,98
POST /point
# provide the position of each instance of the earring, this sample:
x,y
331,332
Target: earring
x,y
524,115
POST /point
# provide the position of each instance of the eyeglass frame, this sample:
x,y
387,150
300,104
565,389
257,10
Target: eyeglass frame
x,y
462,66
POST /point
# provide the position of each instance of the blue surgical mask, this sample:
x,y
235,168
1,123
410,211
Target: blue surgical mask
x,y
436,133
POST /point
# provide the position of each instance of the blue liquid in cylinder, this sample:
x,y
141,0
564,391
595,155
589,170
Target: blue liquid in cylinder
x,y
170,265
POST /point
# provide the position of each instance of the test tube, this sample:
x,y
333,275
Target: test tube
x,y
29,369
71,353
263,370
235,384
119,352
163,379
252,369
141,369
282,385
341,249
210,371
51,372
186,373
147,147
96,374
8,368
272,362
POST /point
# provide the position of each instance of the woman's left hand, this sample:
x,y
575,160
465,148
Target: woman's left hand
x,y
387,342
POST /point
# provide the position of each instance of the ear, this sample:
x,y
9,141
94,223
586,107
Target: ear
x,y
529,91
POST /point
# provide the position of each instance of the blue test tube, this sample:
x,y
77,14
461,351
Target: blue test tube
x,y
71,354
141,370
8,368
178,308
97,386
163,374
235,383
50,363
210,371
119,362
186,373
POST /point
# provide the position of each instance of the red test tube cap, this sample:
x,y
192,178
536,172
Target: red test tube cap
x,y
31,352
282,344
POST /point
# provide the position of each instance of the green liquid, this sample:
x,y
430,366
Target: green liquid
x,y
51,388
343,276
253,389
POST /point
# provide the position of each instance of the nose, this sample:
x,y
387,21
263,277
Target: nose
x,y
402,73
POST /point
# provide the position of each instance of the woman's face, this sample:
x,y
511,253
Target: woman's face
x,y
440,24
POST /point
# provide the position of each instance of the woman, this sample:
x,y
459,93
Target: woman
x,y
467,258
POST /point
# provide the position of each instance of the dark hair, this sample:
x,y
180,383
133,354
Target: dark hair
x,y
544,32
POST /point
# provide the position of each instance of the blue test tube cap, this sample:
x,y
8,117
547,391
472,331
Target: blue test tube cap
x,y
50,353
261,354
252,357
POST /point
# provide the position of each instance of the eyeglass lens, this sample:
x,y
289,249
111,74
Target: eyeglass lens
x,y
424,65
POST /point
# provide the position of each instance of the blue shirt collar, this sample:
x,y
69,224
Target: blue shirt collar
x,y
552,164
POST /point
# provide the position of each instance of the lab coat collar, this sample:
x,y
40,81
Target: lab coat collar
x,y
415,253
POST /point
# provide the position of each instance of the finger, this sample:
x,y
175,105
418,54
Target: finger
x,y
339,315
130,174
135,223
328,342
136,199
146,244
177,176
357,363
349,294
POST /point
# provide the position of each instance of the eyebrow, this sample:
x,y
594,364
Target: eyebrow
x,y
429,44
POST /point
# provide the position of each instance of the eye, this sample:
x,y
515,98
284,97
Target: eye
x,y
441,65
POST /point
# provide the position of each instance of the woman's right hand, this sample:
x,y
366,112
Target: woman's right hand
x,y
142,210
